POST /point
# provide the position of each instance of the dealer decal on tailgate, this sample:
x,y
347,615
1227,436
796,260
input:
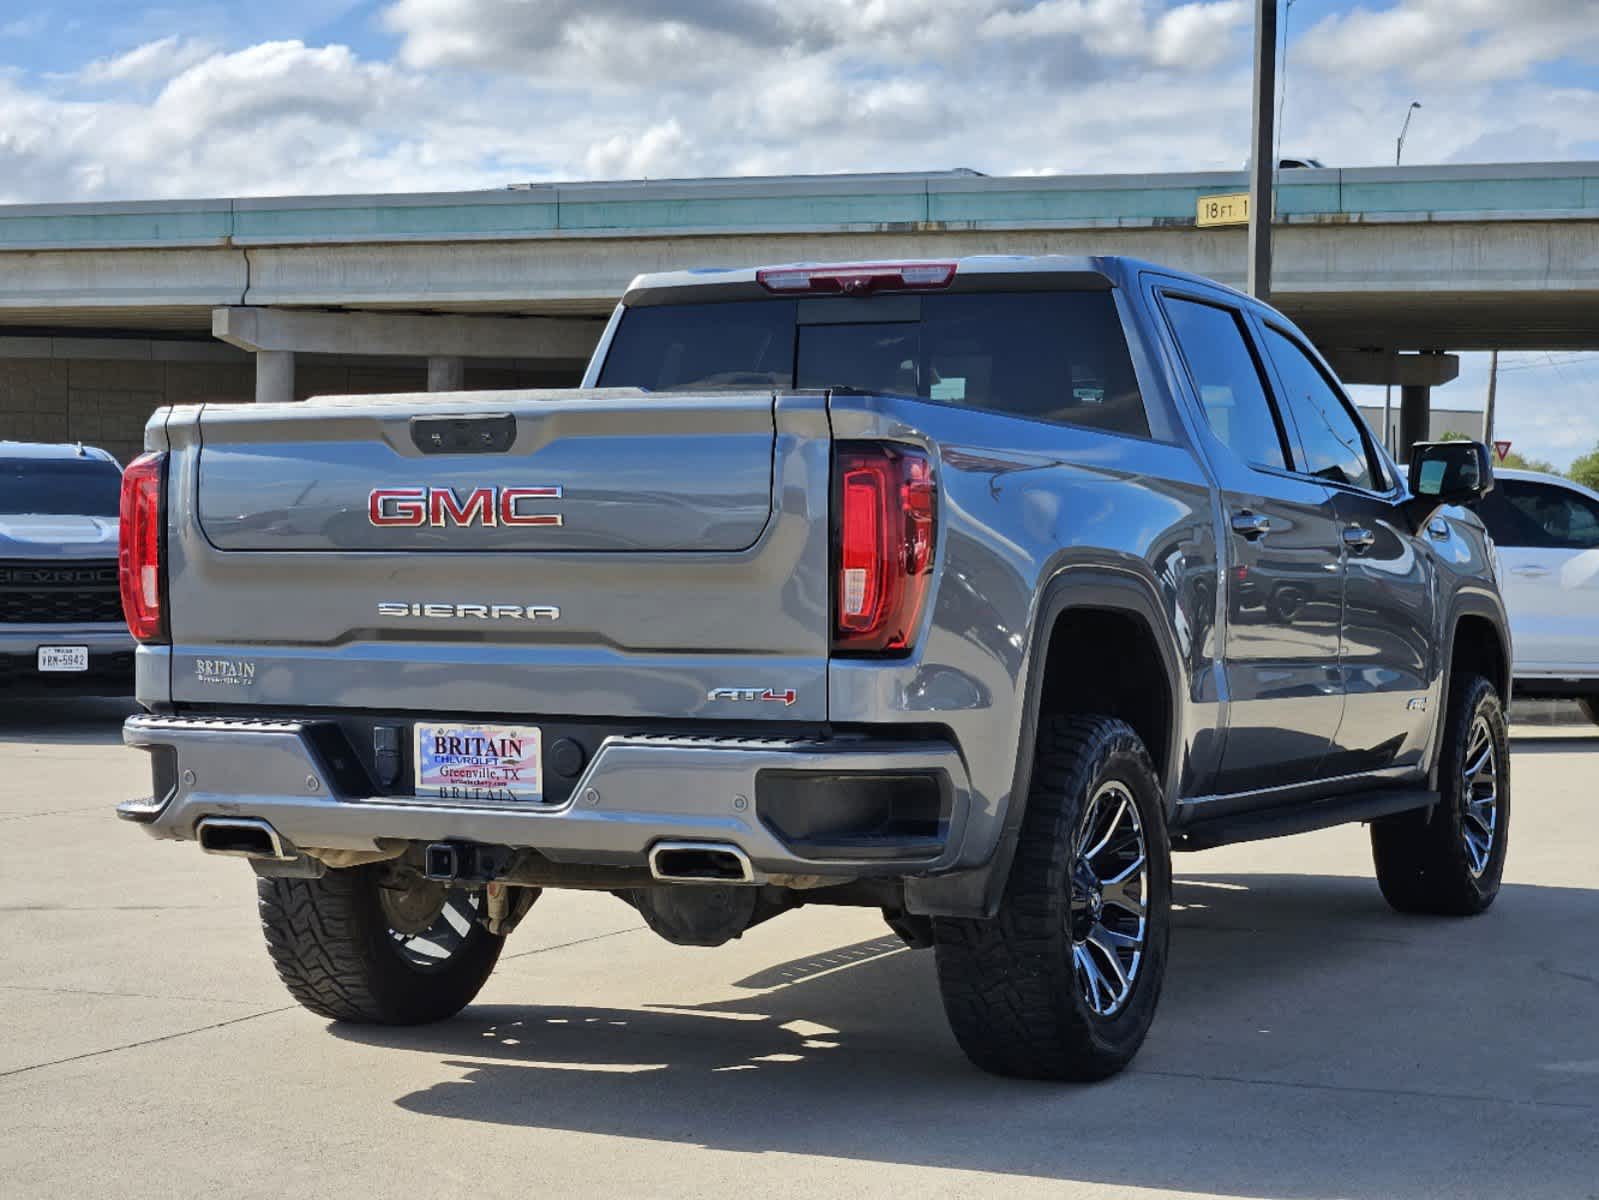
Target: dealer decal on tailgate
x,y
479,762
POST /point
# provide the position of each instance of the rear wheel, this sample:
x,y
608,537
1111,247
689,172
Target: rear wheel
x,y
377,944
1063,982
1449,860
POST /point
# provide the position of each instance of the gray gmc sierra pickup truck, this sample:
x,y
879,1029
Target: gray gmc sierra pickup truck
x,y
963,590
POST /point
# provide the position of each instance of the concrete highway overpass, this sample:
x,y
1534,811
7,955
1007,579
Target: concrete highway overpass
x,y
107,310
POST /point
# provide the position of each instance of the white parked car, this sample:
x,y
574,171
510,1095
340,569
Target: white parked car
x,y
1547,532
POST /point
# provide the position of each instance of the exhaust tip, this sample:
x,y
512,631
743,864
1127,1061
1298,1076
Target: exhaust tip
x,y
241,837
700,862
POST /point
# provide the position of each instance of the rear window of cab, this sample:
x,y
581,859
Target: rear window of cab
x,y
1050,356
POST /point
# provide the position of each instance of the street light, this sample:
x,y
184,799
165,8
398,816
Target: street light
x,y
1399,148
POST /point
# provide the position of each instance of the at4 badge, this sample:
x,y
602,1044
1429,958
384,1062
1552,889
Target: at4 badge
x,y
783,696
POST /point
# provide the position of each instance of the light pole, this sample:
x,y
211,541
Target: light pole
x,y
1262,163
1282,91
1399,147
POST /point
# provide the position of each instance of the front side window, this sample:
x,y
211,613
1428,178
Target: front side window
x,y
1227,381
1545,516
1335,449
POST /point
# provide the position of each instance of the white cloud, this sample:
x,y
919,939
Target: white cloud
x,y
1199,35
659,150
276,117
486,92
1455,41
153,62
586,40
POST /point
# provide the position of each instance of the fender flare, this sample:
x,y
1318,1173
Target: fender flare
x,y
1468,602
1074,586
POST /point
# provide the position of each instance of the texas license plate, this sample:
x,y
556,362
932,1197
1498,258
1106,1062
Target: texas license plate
x,y
63,658
479,762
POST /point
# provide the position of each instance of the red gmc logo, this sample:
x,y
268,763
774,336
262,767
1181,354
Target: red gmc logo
x,y
439,506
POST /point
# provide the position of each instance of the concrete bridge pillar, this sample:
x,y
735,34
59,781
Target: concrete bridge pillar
x,y
446,373
274,376
1415,417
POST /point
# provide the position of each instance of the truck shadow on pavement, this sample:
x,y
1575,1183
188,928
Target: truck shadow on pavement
x,y
1310,1043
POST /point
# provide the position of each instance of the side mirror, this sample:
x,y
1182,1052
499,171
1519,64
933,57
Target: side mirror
x,y
1450,472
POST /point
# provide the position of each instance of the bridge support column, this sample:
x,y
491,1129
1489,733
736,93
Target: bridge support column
x,y
274,376
1415,417
446,373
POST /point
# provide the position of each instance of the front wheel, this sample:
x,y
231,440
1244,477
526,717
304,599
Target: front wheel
x,y
378,944
1063,982
1449,859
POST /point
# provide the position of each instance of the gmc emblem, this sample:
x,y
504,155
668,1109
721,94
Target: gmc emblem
x,y
439,506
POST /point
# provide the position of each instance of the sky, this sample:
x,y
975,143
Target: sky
x,y
121,99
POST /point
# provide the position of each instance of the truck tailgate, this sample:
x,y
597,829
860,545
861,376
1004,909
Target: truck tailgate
x,y
583,553
666,473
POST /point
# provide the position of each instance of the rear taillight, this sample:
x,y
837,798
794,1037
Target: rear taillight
x,y
886,508
858,279
139,566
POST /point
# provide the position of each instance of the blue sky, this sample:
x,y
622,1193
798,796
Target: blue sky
x,y
102,100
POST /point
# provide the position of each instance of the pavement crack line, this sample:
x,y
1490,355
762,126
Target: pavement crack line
x,y
1352,1089
98,810
165,1037
72,991
598,937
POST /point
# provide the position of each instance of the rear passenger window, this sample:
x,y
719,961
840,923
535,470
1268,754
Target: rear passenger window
x,y
1335,449
1227,380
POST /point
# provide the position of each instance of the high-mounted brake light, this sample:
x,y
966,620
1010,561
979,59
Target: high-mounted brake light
x,y
858,279
886,501
139,566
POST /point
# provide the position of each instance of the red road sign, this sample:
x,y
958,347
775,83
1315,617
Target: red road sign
x,y
1502,449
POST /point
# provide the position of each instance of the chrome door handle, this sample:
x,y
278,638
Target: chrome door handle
x,y
1251,526
1358,540
1531,571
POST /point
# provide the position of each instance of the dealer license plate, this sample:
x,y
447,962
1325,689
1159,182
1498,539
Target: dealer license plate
x,y
63,658
479,762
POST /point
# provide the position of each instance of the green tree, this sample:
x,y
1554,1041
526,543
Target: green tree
x,y
1520,462
1586,469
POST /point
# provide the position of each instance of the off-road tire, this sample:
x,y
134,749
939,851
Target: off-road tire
x,y
330,943
1590,707
1008,984
1421,858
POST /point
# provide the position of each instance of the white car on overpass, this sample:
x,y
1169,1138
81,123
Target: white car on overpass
x,y
1547,532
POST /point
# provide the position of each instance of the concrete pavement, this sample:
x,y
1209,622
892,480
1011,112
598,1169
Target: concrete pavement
x,y
1310,1043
